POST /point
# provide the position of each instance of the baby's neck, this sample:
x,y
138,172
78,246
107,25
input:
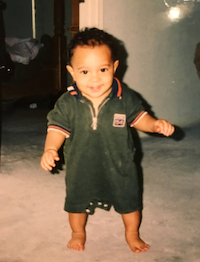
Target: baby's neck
x,y
96,104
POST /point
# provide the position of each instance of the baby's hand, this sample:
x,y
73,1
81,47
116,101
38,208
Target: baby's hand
x,y
162,126
48,159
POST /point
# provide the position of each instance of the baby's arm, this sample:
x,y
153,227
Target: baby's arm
x,y
149,124
54,141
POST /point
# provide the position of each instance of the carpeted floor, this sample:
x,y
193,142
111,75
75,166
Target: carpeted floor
x,y
34,227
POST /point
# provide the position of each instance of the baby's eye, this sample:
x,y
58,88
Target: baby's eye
x,y
84,72
104,70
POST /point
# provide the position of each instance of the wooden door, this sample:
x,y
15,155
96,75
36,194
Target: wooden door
x,y
75,17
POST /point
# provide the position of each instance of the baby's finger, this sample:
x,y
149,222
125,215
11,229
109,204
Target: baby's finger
x,y
169,130
157,129
45,166
57,158
160,129
47,162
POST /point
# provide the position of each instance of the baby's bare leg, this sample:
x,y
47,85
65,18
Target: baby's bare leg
x,y
77,222
132,222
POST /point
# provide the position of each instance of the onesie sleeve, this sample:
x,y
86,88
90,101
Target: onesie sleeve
x,y
134,107
58,118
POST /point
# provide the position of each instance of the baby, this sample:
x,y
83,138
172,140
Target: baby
x,y
94,119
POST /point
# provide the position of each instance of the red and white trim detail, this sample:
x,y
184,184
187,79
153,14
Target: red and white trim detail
x,y
59,129
138,118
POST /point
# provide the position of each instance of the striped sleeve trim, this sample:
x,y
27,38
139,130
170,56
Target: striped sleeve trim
x,y
138,118
59,129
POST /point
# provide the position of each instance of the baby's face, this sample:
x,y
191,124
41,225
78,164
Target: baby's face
x,y
92,68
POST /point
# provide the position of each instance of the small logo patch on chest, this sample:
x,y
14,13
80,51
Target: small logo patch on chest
x,y
119,120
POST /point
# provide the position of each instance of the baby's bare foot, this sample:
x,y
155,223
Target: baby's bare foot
x,y
77,241
136,244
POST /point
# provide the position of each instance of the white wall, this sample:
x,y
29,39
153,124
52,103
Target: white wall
x,y
160,56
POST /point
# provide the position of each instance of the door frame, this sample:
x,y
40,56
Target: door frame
x,y
91,14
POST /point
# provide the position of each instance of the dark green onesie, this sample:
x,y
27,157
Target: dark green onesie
x,y
99,150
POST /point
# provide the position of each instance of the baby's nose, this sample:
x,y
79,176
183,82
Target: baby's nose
x,y
95,77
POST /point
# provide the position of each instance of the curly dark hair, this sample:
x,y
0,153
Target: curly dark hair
x,y
93,37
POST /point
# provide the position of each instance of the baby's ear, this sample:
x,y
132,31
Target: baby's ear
x,y
70,70
116,63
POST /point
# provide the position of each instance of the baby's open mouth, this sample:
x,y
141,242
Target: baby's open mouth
x,y
95,88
